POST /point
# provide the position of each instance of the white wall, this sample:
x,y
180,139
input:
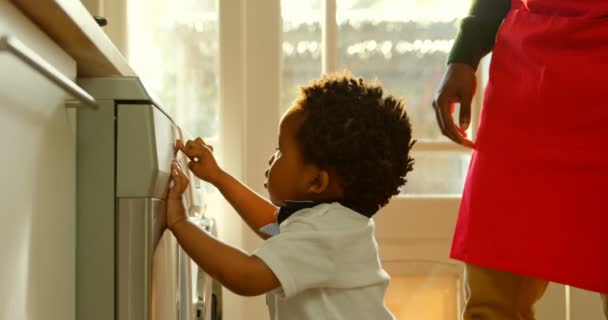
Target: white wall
x,y
115,11
37,186
249,78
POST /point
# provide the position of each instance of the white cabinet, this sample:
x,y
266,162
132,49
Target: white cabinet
x,y
38,186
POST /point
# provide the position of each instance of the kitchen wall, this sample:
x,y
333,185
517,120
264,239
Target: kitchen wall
x,y
115,11
37,186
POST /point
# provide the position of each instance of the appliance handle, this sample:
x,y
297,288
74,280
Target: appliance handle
x,y
28,56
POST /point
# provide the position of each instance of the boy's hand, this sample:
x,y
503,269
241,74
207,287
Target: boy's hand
x,y
175,206
202,163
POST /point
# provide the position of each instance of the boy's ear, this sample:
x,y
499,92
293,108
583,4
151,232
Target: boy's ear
x,y
320,182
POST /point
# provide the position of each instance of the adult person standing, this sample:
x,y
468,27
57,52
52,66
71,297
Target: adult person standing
x,y
534,206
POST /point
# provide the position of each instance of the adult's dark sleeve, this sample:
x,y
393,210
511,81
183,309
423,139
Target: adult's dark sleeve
x,y
478,30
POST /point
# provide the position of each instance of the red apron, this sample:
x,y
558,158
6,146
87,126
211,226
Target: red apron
x,y
536,196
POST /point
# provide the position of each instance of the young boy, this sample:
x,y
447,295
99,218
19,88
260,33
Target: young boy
x,y
343,152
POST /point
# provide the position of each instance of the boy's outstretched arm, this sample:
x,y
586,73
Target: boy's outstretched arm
x,y
236,270
256,210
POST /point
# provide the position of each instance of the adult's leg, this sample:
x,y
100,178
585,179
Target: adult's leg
x,y
497,295
605,304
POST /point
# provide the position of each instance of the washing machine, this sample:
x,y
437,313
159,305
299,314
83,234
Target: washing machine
x,y
129,266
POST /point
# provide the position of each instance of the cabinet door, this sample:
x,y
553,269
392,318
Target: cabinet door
x,y
414,236
37,192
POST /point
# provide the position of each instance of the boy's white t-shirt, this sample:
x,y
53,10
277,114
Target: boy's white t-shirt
x,y
326,259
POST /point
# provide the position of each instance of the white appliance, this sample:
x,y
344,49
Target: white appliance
x,y
128,266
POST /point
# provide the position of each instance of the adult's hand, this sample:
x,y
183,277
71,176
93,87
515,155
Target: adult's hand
x,y
457,86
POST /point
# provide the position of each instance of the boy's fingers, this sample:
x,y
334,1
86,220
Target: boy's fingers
x,y
181,178
190,145
196,143
173,186
193,149
200,142
179,144
180,181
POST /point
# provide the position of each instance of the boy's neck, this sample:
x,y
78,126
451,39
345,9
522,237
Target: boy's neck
x,y
292,206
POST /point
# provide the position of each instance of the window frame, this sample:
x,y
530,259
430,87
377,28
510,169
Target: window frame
x,y
329,58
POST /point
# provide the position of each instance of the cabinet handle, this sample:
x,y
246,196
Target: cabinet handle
x,y
25,54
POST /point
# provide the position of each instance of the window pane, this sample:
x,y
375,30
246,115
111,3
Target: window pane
x,y
173,46
437,173
438,295
434,286
404,43
301,46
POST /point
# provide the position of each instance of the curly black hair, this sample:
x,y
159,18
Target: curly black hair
x,y
365,138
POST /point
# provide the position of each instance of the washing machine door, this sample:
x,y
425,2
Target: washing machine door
x,y
208,292
180,289
154,276
148,264
165,293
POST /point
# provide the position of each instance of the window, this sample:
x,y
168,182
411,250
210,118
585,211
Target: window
x,y
435,286
301,47
173,46
402,43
